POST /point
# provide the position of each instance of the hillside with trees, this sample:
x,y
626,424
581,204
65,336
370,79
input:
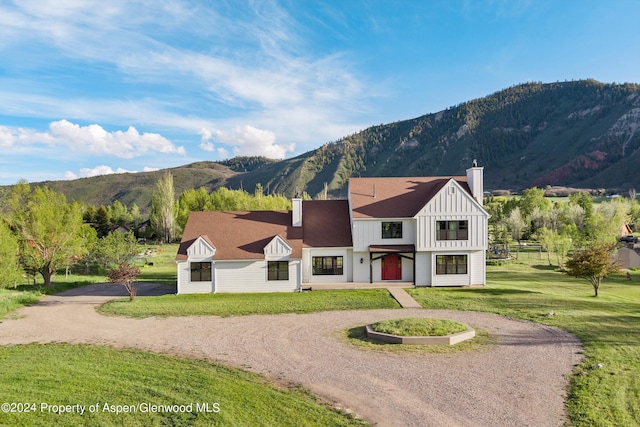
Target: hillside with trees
x,y
582,134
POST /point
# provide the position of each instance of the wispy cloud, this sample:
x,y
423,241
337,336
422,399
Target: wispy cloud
x,y
260,70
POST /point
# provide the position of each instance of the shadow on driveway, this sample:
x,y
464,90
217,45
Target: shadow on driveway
x,y
113,290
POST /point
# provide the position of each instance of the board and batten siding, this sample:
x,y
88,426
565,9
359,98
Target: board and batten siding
x,y
200,249
277,249
452,203
251,276
368,232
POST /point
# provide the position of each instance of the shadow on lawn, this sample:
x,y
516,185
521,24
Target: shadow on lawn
x,y
544,267
498,292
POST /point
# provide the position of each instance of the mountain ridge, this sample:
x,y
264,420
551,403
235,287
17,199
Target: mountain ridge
x,y
583,134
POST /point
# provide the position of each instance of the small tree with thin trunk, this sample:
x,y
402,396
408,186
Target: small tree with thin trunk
x,y
593,264
125,274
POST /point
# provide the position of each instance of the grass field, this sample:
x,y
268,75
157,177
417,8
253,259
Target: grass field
x,y
244,304
605,388
35,376
609,327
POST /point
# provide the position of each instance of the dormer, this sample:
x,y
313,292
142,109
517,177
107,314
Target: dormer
x,y
277,249
202,247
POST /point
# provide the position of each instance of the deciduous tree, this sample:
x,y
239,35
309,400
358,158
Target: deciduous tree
x,y
115,248
593,264
125,274
49,230
9,267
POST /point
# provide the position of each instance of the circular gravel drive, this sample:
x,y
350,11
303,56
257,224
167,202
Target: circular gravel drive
x,y
521,382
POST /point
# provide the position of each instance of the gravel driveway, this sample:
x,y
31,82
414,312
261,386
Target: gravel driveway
x,y
520,382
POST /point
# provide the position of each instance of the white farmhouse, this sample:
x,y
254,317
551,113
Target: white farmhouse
x,y
431,231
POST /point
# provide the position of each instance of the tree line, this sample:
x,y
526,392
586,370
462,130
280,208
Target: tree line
x,y
586,230
42,233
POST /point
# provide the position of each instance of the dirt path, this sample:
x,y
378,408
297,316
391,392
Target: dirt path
x,y
521,382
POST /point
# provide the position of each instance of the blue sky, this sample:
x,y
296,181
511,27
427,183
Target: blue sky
x,y
91,87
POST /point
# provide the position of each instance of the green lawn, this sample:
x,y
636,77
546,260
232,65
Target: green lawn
x,y
609,327
244,304
412,326
162,271
37,377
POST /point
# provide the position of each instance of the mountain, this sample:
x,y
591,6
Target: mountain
x,y
583,134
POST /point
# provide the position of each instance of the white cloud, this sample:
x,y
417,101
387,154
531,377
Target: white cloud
x,y
206,146
223,153
250,141
256,60
93,139
97,171
149,169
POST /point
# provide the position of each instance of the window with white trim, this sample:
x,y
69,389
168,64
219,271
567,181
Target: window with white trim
x,y
392,230
200,271
451,264
277,270
452,230
327,265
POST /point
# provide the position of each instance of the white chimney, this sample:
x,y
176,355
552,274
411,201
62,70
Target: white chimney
x,y
296,215
475,181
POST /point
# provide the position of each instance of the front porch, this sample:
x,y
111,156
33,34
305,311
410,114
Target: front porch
x,y
356,285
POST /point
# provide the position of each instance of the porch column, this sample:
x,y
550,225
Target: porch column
x,y
370,267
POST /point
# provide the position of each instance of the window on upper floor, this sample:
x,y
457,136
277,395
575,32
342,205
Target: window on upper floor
x,y
200,271
392,230
452,230
278,270
451,264
327,265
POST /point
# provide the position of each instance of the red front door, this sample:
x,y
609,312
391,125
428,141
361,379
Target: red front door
x,y
392,267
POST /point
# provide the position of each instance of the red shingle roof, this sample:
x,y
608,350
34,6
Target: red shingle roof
x,y
326,223
240,235
243,235
395,197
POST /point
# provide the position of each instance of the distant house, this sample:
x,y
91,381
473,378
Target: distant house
x,y
120,229
431,231
627,258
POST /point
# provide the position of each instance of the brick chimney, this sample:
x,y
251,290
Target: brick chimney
x,y
475,181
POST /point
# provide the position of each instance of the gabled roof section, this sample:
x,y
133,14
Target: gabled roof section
x,y
202,246
397,197
326,223
240,235
277,248
453,197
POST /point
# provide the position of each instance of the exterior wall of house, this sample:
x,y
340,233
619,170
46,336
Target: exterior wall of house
x,y
423,269
478,267
476,270
360,269
307,265
251,276
451,203
368,232
185,286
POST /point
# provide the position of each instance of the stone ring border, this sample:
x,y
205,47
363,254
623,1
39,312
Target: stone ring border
x,y
450,339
